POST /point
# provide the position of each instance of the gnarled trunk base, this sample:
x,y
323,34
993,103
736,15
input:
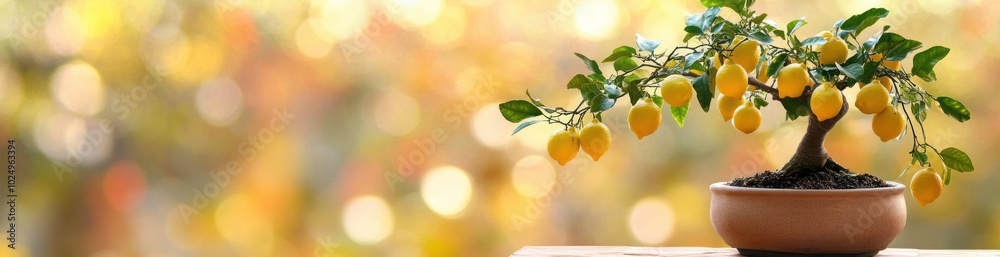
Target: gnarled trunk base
x,y
811,156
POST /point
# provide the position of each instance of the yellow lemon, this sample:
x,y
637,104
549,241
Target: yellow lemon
x,y
728,105
888,124
563,145
677,90
731,79
747,118
833,51
761,74
644,118
826,101
872,99
826,34
893,65
595,139
746,53
886,82
792,80
926,186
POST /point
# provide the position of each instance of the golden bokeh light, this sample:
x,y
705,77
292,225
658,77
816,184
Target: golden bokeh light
x,y
396,113
309,41
219,101
412,14
337,20
446,191
651,221
490,128
78,87
448,29
66,33
238,219
596,20
533,176
368,220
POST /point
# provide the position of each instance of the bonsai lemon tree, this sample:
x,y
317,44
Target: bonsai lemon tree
x,y
750,63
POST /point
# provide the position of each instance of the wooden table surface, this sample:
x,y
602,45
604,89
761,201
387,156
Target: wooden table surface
x,y
566,251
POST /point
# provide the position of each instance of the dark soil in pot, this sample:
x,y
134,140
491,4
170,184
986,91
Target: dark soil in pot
x,y
823,179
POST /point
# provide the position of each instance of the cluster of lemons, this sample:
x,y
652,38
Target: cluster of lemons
x,y
732,79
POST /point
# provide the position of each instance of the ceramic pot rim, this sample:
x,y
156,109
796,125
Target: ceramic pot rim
x,y
723,188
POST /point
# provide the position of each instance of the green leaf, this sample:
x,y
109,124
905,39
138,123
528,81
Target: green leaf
x,y
591,64
740,6
957,160
690,59
918,157
795,107
704,93
577,81
693,30
620,52
524,125
760,18
868,44
779,33
632,77
679,113
761,37
813,41
776,64
900,51
611,90
597,77
601,102
923,62
658,100
625,63
954,108
868,72
859,22
795,25
688,37
646,44
852,71
947,177
634,91
919,111
888,41
533,100
759,102
517,110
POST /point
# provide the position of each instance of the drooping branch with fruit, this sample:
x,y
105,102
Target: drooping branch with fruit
x,y
749,68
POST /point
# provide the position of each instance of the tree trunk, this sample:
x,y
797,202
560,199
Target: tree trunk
x,y
811,156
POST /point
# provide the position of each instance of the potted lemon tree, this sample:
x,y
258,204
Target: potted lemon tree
x,y
811,204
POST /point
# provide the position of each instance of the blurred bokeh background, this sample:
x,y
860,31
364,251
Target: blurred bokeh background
x,y
370,128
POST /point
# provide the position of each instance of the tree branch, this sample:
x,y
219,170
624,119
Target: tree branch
x,y
763,87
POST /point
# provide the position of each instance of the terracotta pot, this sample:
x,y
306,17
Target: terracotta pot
x,y
760,221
